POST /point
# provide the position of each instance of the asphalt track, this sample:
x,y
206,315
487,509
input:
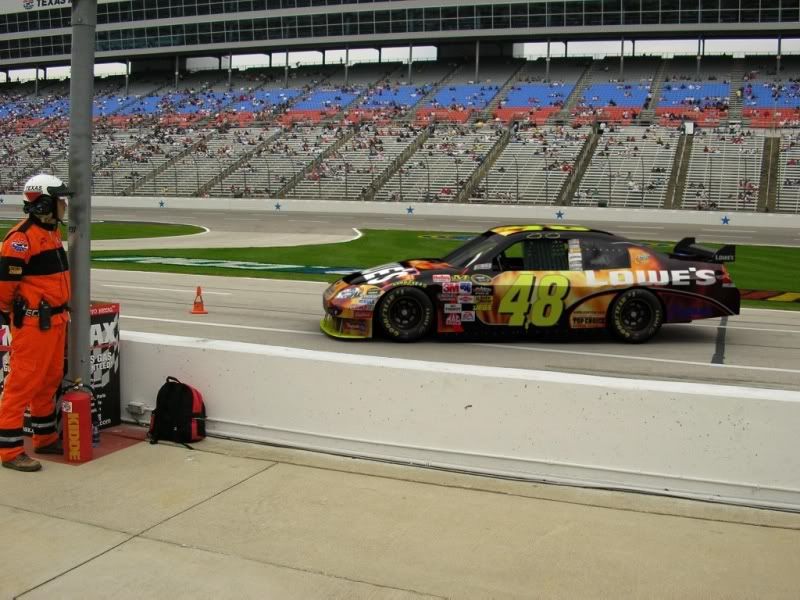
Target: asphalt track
x,y
757,348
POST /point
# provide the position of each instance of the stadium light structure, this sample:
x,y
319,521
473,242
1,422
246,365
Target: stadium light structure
x,y
84,24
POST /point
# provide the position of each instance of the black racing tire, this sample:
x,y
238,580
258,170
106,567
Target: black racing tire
x,y
635,316
405,314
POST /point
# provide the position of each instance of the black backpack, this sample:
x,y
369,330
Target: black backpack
x,y
180,414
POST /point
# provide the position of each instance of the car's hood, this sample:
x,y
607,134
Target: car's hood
x,y
398,271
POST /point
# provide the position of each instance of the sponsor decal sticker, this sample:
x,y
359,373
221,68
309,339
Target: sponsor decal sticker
x,y
484,307
482,267
481,279
628,277
19,246
453,319
482,291
450,288
465,287
459,278
466,299
441,278
468,316
452,308
348,293
15,270
362,314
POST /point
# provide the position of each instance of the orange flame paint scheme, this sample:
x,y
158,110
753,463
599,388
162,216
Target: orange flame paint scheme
x,y
521,279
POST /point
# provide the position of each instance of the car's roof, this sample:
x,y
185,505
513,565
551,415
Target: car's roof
x,y
507,230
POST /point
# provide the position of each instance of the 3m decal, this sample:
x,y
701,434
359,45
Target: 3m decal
x,y
535,302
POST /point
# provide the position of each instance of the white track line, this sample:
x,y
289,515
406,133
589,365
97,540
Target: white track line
x,y
494,346
155,289
737,327
225,325
642,358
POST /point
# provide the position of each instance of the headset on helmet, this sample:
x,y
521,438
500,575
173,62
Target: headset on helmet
x,y
40,193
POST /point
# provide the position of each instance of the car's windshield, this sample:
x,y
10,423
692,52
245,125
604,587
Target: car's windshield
x,y
474,250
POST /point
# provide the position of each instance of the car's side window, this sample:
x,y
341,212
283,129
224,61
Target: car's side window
x,y
534,255
600,254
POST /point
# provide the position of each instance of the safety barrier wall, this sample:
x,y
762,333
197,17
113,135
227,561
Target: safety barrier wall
x,y
570,214
724,443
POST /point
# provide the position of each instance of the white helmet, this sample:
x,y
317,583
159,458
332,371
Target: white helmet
x,y
40,191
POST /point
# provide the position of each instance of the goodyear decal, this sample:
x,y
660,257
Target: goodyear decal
x,y
228,264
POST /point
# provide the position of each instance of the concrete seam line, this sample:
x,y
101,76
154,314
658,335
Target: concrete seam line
x,y
708,389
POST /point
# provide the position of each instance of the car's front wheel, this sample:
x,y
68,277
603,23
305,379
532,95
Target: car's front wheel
x,y
635,316
405,314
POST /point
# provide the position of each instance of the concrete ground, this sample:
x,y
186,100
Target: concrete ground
x,y
237,520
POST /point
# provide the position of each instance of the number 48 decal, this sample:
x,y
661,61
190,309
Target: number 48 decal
x,y
538,303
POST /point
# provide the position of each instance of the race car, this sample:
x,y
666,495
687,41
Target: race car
x,y
521,279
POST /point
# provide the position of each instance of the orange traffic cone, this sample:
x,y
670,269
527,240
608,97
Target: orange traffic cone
x,y
198,308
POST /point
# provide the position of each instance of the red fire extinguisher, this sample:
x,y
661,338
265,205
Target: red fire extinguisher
x,y
76,407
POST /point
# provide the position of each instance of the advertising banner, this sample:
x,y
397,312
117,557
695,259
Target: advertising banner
x,y
104,362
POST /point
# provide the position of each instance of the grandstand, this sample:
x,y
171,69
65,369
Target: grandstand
x,y
480,124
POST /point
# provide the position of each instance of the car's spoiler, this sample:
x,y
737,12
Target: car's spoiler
x,y
688,249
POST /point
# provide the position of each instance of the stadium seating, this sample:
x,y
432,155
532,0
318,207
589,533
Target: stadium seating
x,y
533,166
630,168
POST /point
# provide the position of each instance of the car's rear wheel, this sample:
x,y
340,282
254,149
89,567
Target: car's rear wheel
x,y
405,314
635,316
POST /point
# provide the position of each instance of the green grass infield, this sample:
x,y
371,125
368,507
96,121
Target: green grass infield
x,y
118,230
756,267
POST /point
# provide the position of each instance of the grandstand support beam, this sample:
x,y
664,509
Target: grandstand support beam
x,y
177,71
410,61
347,65
778,56
547,63
286,70
230,69
127,75
84,24
477,60
699,50
36,81
622,58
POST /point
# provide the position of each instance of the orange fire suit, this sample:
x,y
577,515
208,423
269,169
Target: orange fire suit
x,y
33,266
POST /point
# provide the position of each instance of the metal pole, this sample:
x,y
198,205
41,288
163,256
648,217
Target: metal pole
x,y
516,167
127,76
347,65
36,83
176,180
547,186
477,59
428,171
286,71
196,173
84,21
177,71
547,63
400,172
346,185
230,69
622,58
269,180
642,161
410,61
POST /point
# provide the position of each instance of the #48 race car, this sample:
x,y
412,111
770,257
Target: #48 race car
x,y
521,279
